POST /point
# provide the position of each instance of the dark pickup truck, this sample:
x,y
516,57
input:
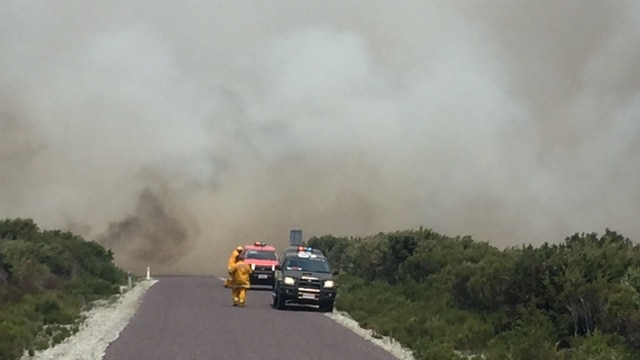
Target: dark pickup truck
x,y
303,276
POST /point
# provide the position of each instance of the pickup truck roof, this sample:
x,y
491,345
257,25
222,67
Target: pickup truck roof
x,y
303,249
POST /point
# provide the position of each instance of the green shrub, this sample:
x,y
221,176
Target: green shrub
x,y
446,297
49,276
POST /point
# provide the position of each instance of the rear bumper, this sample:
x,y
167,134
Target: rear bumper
x,y
262,278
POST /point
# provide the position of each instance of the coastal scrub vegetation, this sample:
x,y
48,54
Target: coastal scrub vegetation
x,y
47,278
456,298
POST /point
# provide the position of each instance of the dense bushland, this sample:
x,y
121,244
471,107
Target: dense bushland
x,y
449,297
47,278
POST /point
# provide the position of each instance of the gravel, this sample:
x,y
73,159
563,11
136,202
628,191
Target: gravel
x,y
102,325
105,321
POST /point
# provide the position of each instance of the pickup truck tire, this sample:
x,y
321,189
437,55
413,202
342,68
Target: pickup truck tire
x,y
278,302
326,306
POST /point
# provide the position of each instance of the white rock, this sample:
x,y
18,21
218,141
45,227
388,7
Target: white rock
x,y
102,325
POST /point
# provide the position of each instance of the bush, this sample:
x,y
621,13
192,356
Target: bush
x,y
446,297
46,278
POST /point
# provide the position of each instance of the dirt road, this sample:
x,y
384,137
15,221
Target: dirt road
x,y
192,318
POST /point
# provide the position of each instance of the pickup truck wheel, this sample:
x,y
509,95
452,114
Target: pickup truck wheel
x,y
326,306
279,302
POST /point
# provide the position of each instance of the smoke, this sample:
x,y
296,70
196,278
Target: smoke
x,y
173,132
151,234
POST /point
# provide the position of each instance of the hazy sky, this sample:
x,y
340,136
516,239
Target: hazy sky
x,y
174,131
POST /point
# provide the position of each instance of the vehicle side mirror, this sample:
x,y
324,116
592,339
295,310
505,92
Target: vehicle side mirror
x,y
335,272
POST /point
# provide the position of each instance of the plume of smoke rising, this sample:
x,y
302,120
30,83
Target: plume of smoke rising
x,y
152,235
172,134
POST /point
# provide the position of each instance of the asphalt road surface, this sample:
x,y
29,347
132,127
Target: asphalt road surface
x,y
192,318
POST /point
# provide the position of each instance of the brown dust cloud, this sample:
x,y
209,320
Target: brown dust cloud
x,y
172,131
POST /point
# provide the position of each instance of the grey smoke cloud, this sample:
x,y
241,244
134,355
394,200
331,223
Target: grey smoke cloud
x,y
173,132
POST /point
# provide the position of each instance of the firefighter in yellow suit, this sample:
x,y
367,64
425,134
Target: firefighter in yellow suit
x,y
232,260
240,281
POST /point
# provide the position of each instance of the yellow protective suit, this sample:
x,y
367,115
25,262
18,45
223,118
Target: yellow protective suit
x,y
232,260
240,282
233,257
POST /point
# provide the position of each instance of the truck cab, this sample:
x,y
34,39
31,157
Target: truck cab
x,y
303,276
263,259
